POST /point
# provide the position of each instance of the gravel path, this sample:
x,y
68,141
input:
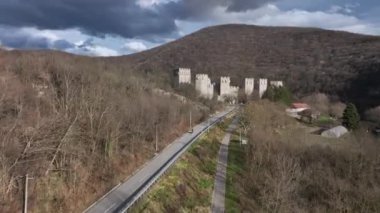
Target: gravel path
x,y
218,196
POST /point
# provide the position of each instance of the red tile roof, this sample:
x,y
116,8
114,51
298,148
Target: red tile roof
x,y
300,105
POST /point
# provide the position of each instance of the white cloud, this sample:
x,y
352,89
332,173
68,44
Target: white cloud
x,y
336,18
135,46
95,50
151,3
326,20
102,51
88,47
48,34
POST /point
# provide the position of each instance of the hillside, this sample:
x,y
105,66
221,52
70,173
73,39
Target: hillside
x,y
307,59
78,126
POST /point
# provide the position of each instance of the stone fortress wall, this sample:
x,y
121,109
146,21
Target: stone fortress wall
x,y
277,83
249,86
226,90
206,88
263,86
225,86
184,76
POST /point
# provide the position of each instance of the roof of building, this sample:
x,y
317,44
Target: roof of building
x,y
335,132
300,105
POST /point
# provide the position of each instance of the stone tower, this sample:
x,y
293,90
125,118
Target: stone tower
x,y
204,86
263,86
249,86
277,83
184,76
225,86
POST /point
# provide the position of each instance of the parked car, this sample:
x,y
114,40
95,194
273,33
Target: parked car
x,y
376,131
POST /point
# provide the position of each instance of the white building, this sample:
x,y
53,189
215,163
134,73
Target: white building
x,y
204,86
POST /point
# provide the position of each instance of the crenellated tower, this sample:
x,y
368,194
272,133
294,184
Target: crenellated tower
x,y
277,83
249,86
225,86
263,86
204,86
184,76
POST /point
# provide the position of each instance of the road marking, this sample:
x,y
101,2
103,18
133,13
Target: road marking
x,y
110,208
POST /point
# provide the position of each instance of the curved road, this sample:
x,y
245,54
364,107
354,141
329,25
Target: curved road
x,y
124,195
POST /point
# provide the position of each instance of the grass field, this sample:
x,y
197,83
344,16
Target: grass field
x,y
236,164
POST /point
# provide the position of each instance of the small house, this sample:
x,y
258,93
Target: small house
x,y
297,108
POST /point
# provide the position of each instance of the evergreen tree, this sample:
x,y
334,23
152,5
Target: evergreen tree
x,y
269,93
278,94
351,117
282,94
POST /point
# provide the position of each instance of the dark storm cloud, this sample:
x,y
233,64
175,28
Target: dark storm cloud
x,y
244,5
97,17
193,9
115,17
22,40
62,45
14,38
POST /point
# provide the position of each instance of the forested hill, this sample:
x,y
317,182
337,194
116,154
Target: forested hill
x,y
307,59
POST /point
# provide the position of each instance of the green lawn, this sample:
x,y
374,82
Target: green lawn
x,y
325,120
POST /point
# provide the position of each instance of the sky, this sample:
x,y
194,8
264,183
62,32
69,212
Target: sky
x,y
121,27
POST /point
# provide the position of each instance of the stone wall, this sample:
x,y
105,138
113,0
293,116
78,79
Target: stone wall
x,y
184,76
204,86
277,83
249,86
226,90
263,86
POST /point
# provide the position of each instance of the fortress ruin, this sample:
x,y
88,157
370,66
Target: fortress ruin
x,y
277,83
204,86
184,76
263,86
249,86
226,90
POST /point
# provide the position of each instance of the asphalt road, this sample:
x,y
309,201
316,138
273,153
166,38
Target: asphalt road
x,y
123,195
218,195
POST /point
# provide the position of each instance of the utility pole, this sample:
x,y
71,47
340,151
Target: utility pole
x,y
208,124
191,128
156,137
26,194
240,137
